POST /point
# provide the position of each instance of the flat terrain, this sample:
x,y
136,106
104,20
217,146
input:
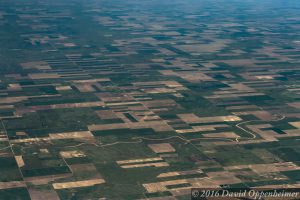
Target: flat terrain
x,y
145,99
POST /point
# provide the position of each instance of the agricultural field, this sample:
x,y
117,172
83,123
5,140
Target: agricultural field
x,y
146,99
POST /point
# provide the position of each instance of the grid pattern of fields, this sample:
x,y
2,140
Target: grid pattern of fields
x,y
140,99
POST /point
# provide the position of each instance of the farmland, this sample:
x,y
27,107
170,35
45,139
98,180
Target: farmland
x,y
147,99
